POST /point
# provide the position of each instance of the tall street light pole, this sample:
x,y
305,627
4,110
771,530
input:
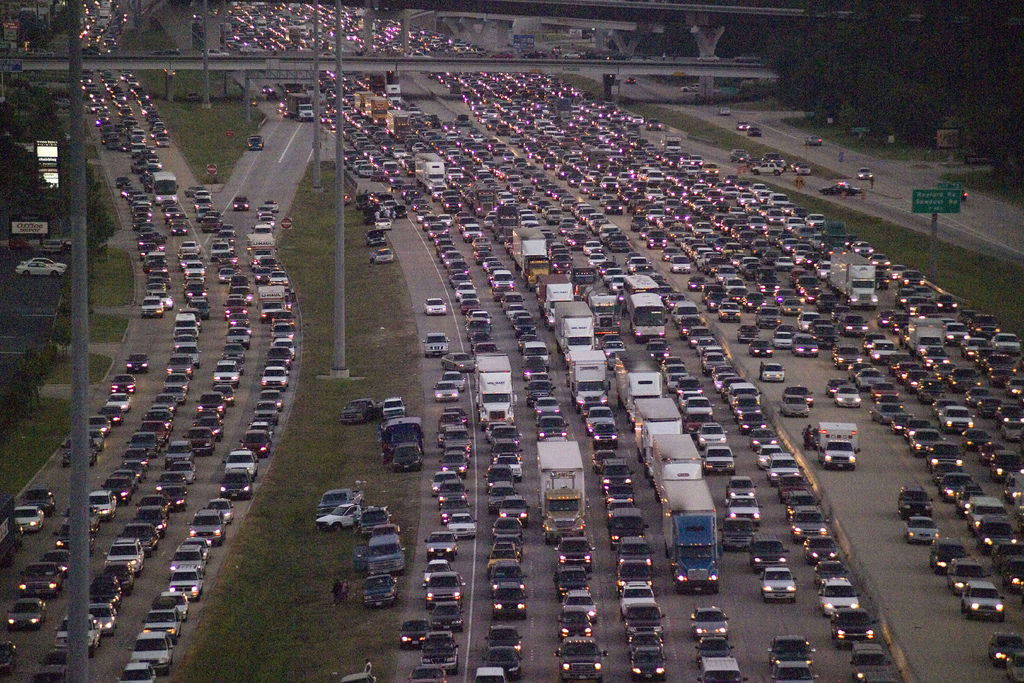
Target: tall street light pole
x,y
339,369
78,522
318,188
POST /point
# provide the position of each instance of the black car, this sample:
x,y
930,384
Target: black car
x,y
507,658
7,657
137,363
841,188
255,142
914,500
647,663
412,634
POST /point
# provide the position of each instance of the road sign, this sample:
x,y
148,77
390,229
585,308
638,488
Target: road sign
x,y
230,133
212,169
286,222
523,42
936,201
10,66
860,129
950,186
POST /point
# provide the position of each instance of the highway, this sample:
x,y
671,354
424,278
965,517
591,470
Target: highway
x,y
900,586
271,174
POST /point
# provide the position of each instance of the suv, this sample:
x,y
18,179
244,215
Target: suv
x,y
581,659
981,599
869,663
851,624
914,501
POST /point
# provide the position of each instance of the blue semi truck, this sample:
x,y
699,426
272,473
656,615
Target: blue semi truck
x,y
691,535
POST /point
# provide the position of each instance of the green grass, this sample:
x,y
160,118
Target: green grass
x,y
270,617
28,449
107,329
111,280
201,134
150,39
986,283
868,143
98,367
986,182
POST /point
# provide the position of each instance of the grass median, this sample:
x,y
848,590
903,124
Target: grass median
x,y
32,444
271,617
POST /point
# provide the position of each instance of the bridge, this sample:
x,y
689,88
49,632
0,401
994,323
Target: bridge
x,y
302,62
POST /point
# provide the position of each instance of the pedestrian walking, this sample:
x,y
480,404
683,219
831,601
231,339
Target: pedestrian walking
x,y
872,182
336,591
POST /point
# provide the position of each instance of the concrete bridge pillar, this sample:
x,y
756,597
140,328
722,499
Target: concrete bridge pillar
x,y
609,81
406,15
369,14
625,46
169,85
707,37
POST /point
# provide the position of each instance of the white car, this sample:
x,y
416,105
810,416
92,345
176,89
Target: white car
x,y
847,397
40,266
921,530
189,582
121,401
636,593
153,307
772,372
837,593
434,567
446,392
462,525
227,372
435,306
777,585
275,377
546,405
598,414
138,672
781,466
710,433
29,518
455,377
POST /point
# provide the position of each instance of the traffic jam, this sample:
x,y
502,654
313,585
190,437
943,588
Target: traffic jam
x,y
633,327
182,414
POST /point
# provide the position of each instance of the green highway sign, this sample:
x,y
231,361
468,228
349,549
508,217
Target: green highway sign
x,y
943,200
950,186
860,129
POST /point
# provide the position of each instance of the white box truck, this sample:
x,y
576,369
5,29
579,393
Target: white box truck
x,y
429,169
495,400
562,490
550,290
924,333
587,378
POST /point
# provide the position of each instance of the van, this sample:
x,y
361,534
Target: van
x,y
720,670
385,555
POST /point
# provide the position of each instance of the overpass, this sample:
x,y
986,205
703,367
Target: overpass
x,y
302,62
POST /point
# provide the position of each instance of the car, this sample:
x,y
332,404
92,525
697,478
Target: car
x,y
1002,645
981,599
240,203
777,585
360,411
435,306
138,672
445,391
841,188
865,173
772,372
790,648
26,614
847,396
41,266
382,255
921,530
29,519
813,141
462,525
836,593
255,143
412,634
462,362
709,621
794,406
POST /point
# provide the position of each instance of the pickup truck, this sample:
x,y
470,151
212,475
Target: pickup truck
x,y
380,590
435,345
440,649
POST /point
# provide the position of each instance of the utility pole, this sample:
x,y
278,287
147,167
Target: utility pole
x,y
318,187
78,522
339,369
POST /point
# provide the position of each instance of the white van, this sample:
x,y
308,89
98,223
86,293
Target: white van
x,y
490,674
720,670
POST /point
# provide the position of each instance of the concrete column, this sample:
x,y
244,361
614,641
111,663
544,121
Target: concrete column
x,y
369,14
248,98
625,46
169,85
609,81
406,15
707,37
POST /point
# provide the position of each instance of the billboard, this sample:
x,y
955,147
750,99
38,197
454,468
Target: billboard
x,y
46,153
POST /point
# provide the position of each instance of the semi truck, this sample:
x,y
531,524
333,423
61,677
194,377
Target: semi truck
x,y
429,169
299,106
654,416
853,277
690,527
495,400
673,457
530,254
673,145
562,491
587,382
636,376
607,310
506,221
550,290
574,326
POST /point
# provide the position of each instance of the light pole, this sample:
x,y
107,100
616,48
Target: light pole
x,y
206,54
317,186
339,369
